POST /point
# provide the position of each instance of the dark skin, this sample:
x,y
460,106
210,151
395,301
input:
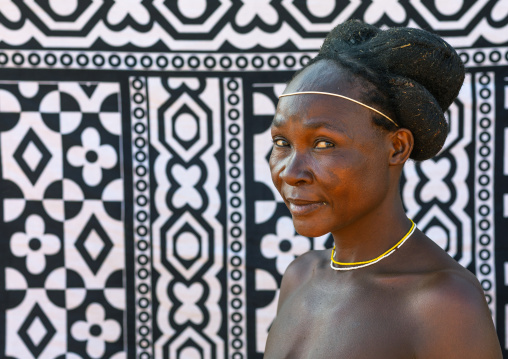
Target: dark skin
x,y
339,173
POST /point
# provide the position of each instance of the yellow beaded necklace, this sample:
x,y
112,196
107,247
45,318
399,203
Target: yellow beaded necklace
x,y
372,261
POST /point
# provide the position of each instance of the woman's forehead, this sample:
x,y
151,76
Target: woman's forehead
x,y
325,76
314,112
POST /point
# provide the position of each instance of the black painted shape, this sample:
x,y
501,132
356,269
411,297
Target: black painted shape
x,y
36,349
94,263
31,137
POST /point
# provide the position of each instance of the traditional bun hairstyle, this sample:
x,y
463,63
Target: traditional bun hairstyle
x,y
417,74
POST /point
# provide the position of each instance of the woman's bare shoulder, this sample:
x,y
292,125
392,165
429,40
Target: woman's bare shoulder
x,y
453,318
446,303
300,271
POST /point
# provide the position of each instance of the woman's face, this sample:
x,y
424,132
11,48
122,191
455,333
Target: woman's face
x,y
329,161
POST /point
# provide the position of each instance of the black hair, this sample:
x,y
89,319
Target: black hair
x,y
417,76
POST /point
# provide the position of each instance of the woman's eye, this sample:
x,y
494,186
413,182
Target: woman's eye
x,y
280,143
324,144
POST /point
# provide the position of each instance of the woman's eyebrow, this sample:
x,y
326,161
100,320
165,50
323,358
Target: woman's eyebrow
x,y
313,124
316,124
277,121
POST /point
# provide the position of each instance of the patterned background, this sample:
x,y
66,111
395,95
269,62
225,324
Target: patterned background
x,y
137,213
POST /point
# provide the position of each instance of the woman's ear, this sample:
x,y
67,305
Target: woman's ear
x,y
402,144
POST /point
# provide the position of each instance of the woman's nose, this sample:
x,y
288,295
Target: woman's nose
x,y
296,170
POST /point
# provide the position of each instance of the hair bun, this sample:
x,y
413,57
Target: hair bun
x,y
425,120
425,58
418,72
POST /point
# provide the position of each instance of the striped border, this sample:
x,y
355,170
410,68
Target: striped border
x,y
484,186
236,237
141,212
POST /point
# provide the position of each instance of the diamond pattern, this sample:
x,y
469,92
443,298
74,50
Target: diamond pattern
x,y
37,331
94,244
32,156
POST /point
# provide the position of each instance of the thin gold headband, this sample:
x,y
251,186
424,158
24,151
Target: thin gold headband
x,y
337,95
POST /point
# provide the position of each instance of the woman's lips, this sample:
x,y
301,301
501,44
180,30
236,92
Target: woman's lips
x,y
301,208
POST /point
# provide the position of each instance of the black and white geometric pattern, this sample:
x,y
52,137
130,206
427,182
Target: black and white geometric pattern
x,y
136,206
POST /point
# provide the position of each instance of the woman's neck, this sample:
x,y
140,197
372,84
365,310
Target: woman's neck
x,y
370,236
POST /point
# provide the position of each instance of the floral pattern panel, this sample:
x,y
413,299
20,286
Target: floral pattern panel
x,y
63,206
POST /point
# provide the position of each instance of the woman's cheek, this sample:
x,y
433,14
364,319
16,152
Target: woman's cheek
x,y
275,162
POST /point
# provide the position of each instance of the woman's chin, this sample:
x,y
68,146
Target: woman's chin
x,y
309,229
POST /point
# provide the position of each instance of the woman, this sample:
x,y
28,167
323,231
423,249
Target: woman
x,y
344,128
